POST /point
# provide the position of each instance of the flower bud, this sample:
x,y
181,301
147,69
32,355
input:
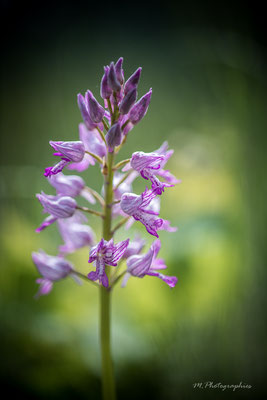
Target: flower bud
x,y
128,101
139,110
113,137
84,111
119,70
133,81
96,111
113,82
105,90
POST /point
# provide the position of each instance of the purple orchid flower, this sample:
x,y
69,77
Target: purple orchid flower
x,y
68,152
105,253
148,165
93,143
57,206
148,264
70,185
52,268
75,235
135,206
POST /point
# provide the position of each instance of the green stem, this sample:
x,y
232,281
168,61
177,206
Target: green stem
x,y
88,210
120,224
95,156
84,277
102,135
121,163
116,279
108,382
105,124
95,195
125,124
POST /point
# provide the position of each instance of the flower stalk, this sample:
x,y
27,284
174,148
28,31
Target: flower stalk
x,y
108,382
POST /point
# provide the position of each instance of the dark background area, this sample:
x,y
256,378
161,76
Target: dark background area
x,y
206,62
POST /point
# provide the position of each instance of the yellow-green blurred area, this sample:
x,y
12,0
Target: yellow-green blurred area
x,y
209,102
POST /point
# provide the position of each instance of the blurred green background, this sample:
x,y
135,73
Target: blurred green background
x,y
207,68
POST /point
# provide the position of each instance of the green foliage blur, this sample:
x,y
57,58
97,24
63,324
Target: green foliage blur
x,y
209,102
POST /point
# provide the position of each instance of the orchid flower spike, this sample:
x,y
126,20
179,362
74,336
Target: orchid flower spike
x,y
102,133
105,253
